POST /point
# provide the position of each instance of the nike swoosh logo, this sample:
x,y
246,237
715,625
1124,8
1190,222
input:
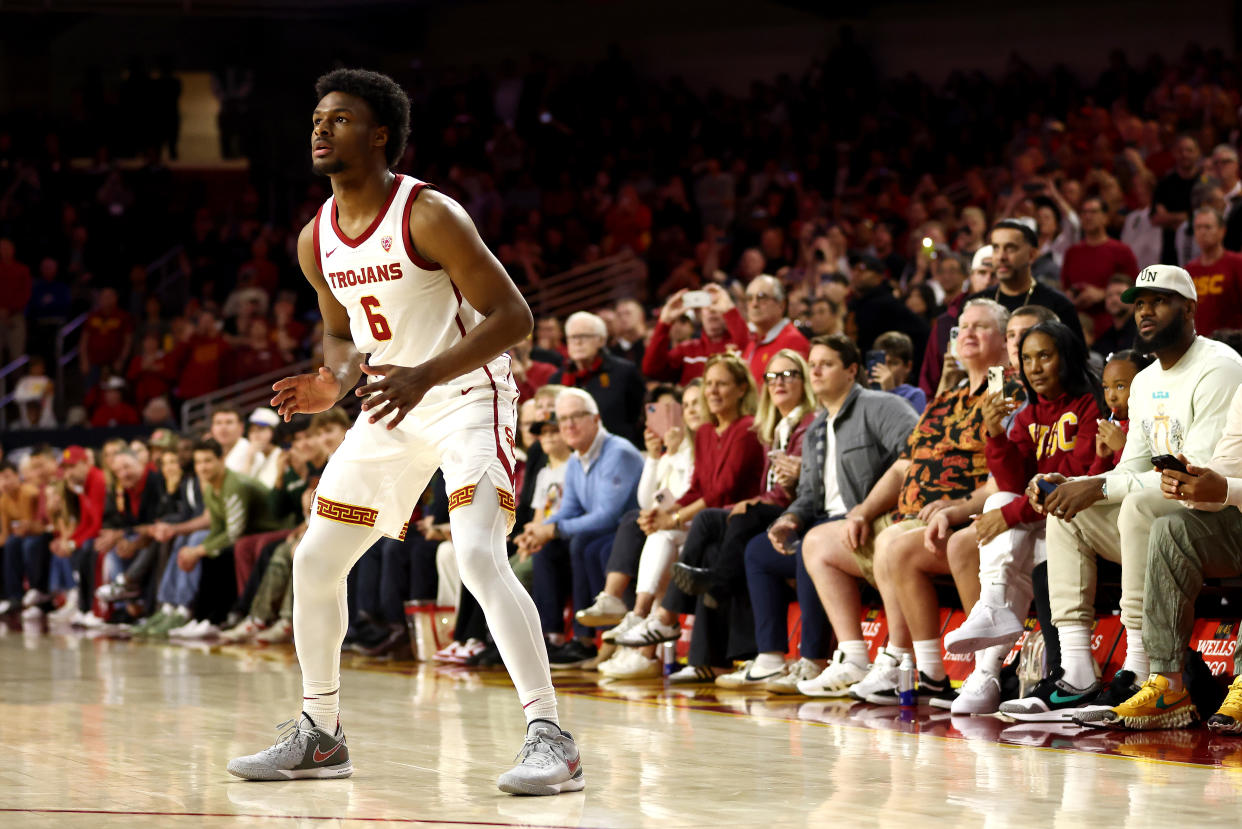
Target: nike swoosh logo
x,y
1161,704
329,253
464,392
574,765
1058,698
320,757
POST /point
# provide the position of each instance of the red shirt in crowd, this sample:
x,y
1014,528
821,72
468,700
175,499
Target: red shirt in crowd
x,y
107,334
1219,286
91,506
200,365
537,376
758,353
686,361
1087,264
1106,463
727,467
146,379
15,277
117,414
249,361
1048,436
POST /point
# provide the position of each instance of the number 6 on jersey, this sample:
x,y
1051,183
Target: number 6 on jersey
x,y
379,325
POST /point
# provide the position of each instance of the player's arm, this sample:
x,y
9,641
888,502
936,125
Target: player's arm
x,y
443,232
308,393
340,356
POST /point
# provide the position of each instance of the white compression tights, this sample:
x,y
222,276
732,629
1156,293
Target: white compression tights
x,y
320,612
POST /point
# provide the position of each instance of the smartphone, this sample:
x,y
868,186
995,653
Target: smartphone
x,y
1045,489
996,379
953,332
875,357
1033,187
663,415
1168,462
696,299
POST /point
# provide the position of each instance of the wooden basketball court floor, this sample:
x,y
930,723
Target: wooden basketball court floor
x,y
103,733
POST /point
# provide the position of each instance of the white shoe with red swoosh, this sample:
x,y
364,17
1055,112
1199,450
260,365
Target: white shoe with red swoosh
x,y
547,764
304,750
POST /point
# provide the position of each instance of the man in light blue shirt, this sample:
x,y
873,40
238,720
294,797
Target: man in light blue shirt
x,y
571,547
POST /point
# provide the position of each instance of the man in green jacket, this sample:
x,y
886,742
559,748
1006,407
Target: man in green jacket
x,y
236,505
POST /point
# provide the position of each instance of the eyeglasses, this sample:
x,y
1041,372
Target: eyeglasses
x,y
759,297
770,377
565,420
583,338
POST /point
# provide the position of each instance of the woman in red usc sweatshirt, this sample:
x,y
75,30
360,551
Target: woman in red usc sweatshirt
x,y
1054,433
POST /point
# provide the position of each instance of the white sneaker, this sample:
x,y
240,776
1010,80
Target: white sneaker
x,y
32,613
203,629
649,632
835,680
986,626
605,611
979,694
882,676
244,631
68,610
90,620
748,676
631,621
629,663
35,597
800,671
693,674
185,631
5,606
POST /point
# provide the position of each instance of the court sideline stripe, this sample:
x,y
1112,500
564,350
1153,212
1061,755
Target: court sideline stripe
x,y
285,817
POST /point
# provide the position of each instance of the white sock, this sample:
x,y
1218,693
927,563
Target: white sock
x,y
540,704
898,653
769,661
1136,655
323,705
927,658
856,653
1076,654
991,660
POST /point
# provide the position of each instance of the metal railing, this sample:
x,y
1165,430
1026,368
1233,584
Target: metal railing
x,y
246,395
6,396
64,358
588,287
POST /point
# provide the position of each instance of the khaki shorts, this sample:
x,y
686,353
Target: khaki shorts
x,y
864,556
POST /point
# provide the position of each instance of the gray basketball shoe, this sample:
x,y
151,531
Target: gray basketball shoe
x,y
547,764
304,750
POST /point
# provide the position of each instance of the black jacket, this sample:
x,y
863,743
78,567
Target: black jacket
x,y
618,389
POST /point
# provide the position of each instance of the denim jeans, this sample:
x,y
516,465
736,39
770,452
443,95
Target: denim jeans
x,y
178,588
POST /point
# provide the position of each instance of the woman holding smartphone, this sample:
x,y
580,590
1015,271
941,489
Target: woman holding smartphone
x,y
712,563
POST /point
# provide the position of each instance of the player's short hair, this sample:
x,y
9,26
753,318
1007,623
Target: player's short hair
x,y
210,445
385,97
336,415
588,402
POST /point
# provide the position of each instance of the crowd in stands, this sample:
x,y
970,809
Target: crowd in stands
x,y
965,342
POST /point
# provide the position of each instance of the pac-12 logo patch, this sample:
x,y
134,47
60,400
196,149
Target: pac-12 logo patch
x,y
386,243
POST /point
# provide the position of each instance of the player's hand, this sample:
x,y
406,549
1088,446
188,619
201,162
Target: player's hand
x,y
400,390
306,393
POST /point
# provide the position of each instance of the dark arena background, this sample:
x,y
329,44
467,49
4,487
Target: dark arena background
x,y
835,283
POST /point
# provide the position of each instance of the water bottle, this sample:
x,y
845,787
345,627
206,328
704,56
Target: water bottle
x,y
905,682
668,657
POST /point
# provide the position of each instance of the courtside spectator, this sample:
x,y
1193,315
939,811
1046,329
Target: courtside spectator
x,y
770,329
875,309
227,430
1171,201
1217,273
1093,261
1119,335
1013,245
615,384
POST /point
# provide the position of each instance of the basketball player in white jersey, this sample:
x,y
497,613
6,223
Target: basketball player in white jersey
x,y
411,297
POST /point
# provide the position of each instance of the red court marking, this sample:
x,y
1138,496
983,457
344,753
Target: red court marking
x,y
285,817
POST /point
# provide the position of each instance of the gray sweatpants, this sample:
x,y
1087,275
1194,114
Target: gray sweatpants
x,y
1186,547
1119,532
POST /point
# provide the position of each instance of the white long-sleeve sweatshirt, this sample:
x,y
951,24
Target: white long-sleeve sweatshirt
x,y
1182,410
672,471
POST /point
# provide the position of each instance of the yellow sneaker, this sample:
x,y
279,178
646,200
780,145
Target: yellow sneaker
x,y
1154,706
1228,718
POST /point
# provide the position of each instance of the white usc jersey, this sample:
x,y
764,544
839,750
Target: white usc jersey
x,y
403,309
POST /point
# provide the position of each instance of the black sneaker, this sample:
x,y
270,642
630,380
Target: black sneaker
x,y
572,654
938,693
1124,685
489,657
1052,700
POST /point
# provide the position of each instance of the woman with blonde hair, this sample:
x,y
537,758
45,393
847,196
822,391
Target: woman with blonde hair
x,y
717,536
